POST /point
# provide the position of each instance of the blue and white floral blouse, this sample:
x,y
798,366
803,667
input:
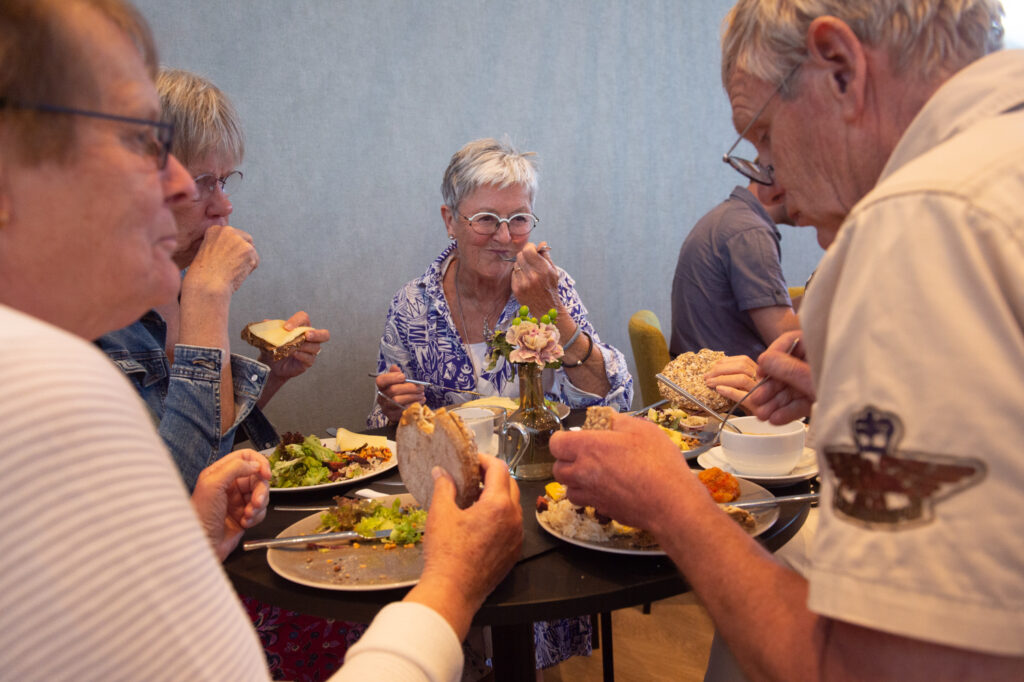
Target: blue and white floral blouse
x,y
420,337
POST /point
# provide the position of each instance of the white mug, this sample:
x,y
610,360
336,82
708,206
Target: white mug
x,y
484,422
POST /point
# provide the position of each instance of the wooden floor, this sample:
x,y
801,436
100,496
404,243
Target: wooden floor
x,y
670,643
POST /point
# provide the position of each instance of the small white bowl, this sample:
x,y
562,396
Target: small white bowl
x,y
763,449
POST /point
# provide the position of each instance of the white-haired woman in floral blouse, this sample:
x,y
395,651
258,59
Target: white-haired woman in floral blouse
x,y
438,324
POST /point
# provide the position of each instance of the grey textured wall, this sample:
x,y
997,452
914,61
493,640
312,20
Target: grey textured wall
x,y
353,108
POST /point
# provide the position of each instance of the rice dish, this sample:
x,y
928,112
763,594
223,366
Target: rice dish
x,y
564,518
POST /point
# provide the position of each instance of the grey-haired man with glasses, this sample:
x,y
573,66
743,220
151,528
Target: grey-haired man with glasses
x,y
900,138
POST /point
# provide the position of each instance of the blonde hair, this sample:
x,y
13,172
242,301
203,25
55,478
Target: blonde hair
x,y
930,38
487,162
204,119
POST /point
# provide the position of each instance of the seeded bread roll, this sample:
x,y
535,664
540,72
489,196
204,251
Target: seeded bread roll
x,y
687,371
426,439
271,336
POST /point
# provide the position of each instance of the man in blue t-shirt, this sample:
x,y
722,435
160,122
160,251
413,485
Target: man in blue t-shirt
x,y
728,292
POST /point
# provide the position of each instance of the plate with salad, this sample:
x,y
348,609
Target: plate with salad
x,y
373,564
310,462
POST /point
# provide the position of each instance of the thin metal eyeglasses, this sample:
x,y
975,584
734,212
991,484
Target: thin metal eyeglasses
x,y
753,170
487,223
158,146
208,182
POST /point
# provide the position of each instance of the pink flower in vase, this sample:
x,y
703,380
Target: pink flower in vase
x,y
534,343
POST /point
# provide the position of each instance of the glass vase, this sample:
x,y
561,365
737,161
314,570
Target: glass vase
x,y
539,421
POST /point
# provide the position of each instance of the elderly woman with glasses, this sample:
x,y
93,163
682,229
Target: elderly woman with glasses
x,y
176,354
438,325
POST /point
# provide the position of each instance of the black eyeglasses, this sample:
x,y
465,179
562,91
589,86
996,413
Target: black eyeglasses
x,y
753,170
487,223
208,182
158,146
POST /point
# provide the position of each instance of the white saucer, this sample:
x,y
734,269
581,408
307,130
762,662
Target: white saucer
x,y
806,467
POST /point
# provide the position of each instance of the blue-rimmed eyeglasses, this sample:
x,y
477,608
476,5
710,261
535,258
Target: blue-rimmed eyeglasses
x,y
487,223
208,182
158,145
753,170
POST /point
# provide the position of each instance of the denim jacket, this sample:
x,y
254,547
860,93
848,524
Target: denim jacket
x,y
184,398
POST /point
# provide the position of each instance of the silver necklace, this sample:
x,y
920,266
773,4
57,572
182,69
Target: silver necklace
x,y
488,332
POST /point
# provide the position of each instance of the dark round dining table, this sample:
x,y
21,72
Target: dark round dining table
x,y
552,580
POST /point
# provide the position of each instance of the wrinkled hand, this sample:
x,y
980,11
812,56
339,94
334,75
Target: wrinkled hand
x,y
789,394
467,552
732,376
304,356
392,384
224,259
230,496
535,279
590,465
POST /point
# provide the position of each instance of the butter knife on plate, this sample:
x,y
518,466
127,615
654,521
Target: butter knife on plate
x,y
772,501
319,538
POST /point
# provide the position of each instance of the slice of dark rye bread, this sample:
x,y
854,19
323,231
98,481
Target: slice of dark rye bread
x,y
426,439
270,335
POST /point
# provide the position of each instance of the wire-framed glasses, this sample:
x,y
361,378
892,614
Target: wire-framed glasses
x,y
208,182
158,145
487,223
752,169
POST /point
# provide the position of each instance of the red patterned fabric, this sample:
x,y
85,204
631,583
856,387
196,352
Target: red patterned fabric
x,y
299,647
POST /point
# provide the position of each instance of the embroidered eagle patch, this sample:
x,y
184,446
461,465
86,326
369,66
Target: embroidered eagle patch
x,y
881,487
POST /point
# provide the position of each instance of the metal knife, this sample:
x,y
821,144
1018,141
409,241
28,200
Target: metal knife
x,y
319,538
772,501
686,394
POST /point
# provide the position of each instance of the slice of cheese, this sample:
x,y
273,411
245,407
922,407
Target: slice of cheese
x,y
353,441
510,404
273,332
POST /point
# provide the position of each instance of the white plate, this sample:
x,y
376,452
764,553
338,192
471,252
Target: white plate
x,y
332,444
364,568
806,467
763,520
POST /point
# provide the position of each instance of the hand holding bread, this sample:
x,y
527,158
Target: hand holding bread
x,y
289,347
473,535
426,439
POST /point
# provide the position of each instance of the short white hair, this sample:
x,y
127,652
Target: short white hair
x,y
767,38
487,162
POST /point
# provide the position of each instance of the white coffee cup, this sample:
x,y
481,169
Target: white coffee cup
x,y
484,423
763,449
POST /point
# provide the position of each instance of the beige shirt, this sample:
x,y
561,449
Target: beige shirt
x,y
915,331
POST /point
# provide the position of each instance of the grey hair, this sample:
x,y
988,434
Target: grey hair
x,y
204,119
767,38
487,162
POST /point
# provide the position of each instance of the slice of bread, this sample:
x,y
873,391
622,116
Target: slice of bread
x,y
426,439
599,418
270,335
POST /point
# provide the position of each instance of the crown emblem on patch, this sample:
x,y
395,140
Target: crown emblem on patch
x,y
881,487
